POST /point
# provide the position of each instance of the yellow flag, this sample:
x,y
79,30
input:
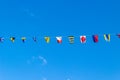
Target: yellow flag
x,y
47,39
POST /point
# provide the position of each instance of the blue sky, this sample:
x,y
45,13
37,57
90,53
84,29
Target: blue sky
x,y
41,61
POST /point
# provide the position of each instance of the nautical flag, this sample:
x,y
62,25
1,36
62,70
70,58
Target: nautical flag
x,y
34,39
118,35
95,38
12,39
107,37
83,39
1,39
71,39
59,39
23,39
47,39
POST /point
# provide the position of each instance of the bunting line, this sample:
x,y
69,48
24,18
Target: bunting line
x,y
59,39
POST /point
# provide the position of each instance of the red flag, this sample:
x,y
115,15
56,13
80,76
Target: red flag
x,y
83,39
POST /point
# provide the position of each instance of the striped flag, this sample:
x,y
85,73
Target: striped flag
x,y
23,39
95,38
71,39
107,37
83,39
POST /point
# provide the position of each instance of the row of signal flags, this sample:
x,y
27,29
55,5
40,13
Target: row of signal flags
x,y
59,38
47,39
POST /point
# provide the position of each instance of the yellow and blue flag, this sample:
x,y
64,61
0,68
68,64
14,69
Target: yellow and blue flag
x,y
23,39
12,39
107,37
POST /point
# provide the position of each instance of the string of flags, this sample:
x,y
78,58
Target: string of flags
x,y
59,39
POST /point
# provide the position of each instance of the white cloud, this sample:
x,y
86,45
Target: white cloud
x,y
40,59
44,78
29,12
68,78
44,61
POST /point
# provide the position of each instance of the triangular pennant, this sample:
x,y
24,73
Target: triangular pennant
x,y
59,39
71,39
12,39
107,37
47,39
83,39
34,39
95,38
23,39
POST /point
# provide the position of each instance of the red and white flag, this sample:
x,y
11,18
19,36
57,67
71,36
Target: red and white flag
x,y
83,39
59,39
